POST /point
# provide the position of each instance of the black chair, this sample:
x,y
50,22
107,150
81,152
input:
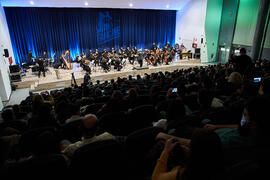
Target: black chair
x,y
142,117
138,145
49,166
71,131
16,124
92,109
99,160
115,123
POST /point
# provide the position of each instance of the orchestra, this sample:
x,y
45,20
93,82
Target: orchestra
x,y
106,59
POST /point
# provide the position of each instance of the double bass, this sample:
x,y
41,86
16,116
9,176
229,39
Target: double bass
x,y
66,62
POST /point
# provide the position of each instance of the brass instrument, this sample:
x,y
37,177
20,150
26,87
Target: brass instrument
x,y
66,62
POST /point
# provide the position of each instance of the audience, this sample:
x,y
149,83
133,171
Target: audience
x,y
89,128
223,101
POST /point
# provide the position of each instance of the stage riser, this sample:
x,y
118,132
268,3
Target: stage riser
x,y
105,77
40,84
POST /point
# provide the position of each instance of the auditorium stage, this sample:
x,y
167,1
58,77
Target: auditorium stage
x,y
35,84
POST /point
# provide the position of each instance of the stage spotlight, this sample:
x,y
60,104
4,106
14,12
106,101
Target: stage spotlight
x,y
167,6
32,2
86,3
130,4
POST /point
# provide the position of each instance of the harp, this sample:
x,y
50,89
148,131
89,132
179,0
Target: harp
x,y
66,62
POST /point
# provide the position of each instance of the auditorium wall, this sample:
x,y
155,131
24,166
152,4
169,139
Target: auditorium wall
x,y
190,23
246,22
5,88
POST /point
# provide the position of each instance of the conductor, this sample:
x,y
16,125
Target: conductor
x,y
40,67
140,58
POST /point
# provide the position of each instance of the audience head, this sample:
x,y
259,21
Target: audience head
x,y
235,78
132,93
205,98
206,156
89,126
266,85
8,115
243,51
75,109
255,116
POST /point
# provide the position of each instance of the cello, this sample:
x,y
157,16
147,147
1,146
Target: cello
x,y
166,57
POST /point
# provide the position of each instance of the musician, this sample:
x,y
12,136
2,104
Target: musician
x,y
113,51
168,46
78,58
181,49
30,57
97,57
62,62
45,58
140,58
90,55
83,56
154,47
117,63
44,55
104,64
41,68
135,50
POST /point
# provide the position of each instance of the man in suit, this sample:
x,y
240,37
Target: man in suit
x,y
40,67
140,58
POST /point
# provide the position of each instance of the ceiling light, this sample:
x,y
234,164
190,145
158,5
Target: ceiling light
x,y
86,3
167,6
130,4
32,2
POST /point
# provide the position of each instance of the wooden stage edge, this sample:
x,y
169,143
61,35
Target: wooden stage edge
x,y
51,82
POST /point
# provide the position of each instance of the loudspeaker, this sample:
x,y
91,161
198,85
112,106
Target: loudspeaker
x,y
6,52
15,77
14,68
201,40
34,68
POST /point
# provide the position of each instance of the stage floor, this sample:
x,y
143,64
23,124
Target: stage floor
x,y
32,81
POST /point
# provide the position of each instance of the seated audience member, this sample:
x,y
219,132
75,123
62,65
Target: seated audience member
x,y
265,86
8,115
115,104
204,158
89,129
251,129
75,114
42,118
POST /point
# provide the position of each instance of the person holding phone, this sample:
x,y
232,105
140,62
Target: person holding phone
x,y
204,157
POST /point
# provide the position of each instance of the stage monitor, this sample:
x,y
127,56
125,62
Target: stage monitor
x,y
197,50
6,52
14,69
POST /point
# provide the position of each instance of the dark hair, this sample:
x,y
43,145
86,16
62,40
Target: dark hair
x,y
243,50
258,111
8,114
206,160
266,85
205,98
74,109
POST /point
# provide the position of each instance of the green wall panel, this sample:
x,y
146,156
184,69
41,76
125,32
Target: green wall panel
x,y
227,26
212,26
246,22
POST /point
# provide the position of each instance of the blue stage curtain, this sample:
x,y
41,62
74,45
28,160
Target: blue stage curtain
x,y
81,29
